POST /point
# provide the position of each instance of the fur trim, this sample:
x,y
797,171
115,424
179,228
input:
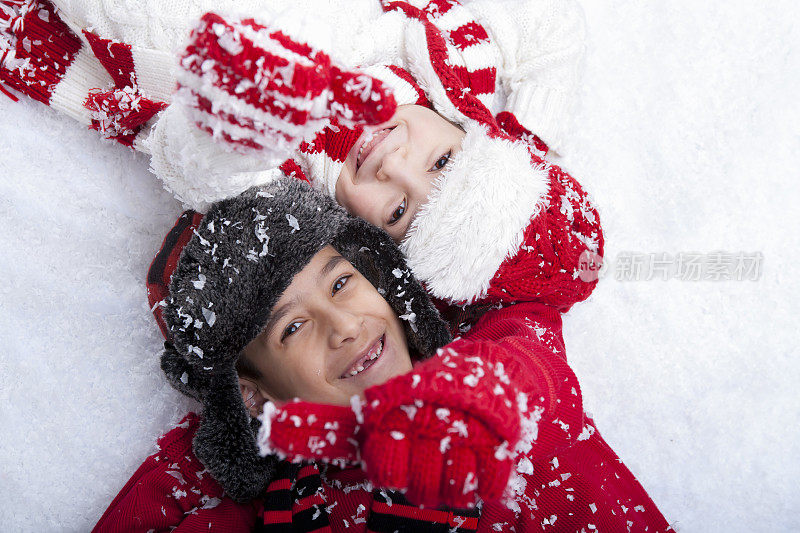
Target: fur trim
x,y
242,256
226,441
475,217
373,253
194,167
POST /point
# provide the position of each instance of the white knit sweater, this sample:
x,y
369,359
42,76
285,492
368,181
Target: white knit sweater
x,y
536,47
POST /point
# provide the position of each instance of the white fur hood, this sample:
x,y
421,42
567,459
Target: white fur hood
x,y
475,217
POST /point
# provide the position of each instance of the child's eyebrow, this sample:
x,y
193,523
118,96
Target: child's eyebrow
x,y
329,266
277,315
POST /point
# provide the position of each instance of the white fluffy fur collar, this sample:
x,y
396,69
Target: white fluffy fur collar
x,y
475,217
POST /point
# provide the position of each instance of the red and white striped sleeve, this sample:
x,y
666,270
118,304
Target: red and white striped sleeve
x,y
542,43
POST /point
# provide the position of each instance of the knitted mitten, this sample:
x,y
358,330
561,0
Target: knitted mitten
x,y
262,90
307,431
444,433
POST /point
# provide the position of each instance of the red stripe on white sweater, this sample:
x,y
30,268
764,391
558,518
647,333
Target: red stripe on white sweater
x,y
470,34
116,57
36,48
406,77
438,8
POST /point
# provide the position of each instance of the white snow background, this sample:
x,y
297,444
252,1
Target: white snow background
x,y
688,137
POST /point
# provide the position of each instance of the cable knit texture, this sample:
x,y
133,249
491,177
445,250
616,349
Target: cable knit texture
x,y
543,49
494,205
564,476
45,53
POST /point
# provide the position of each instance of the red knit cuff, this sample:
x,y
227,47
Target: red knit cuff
x,y
39,47
307,431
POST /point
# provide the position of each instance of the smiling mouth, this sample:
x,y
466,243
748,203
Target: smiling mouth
x,y
366,361
372,140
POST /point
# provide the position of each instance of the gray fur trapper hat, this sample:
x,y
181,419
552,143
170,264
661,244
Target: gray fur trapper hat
x,y
241,257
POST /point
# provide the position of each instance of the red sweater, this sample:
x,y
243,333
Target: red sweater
x,y
170,489
573,482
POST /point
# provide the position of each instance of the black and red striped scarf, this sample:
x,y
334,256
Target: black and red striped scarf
x,y
296,502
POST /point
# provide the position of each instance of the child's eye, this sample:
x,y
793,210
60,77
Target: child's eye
x,y
441,162
290,329
398,213
339,284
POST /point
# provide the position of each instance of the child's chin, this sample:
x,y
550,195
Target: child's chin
x,y
391,370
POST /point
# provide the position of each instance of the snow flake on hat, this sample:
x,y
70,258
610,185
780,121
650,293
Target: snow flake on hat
x,y
410,316
293,222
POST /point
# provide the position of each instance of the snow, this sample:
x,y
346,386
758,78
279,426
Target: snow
x,y
687,139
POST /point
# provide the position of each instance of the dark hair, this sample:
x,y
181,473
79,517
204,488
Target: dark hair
x,y
246,369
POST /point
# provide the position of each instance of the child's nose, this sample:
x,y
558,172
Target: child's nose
x,y
344,326
394,164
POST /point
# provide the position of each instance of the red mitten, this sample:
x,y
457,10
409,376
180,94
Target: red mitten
x,y
36,48
418,435
302,431
444,432
510,125
263,91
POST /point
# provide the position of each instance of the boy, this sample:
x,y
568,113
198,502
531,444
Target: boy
x,y
280,294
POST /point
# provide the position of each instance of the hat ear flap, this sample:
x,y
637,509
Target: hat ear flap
x,y
180,373
372,252
225,441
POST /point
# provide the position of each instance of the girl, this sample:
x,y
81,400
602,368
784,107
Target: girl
x,y
432,140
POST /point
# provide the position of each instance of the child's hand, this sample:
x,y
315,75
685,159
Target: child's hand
x,y
263,91
301,431
443,434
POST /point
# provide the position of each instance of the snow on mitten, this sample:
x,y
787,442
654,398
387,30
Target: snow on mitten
x,y
263,91
442,433
304,431
36,48
510,125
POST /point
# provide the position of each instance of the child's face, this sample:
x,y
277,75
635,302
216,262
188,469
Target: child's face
x,y
390,171
329,323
